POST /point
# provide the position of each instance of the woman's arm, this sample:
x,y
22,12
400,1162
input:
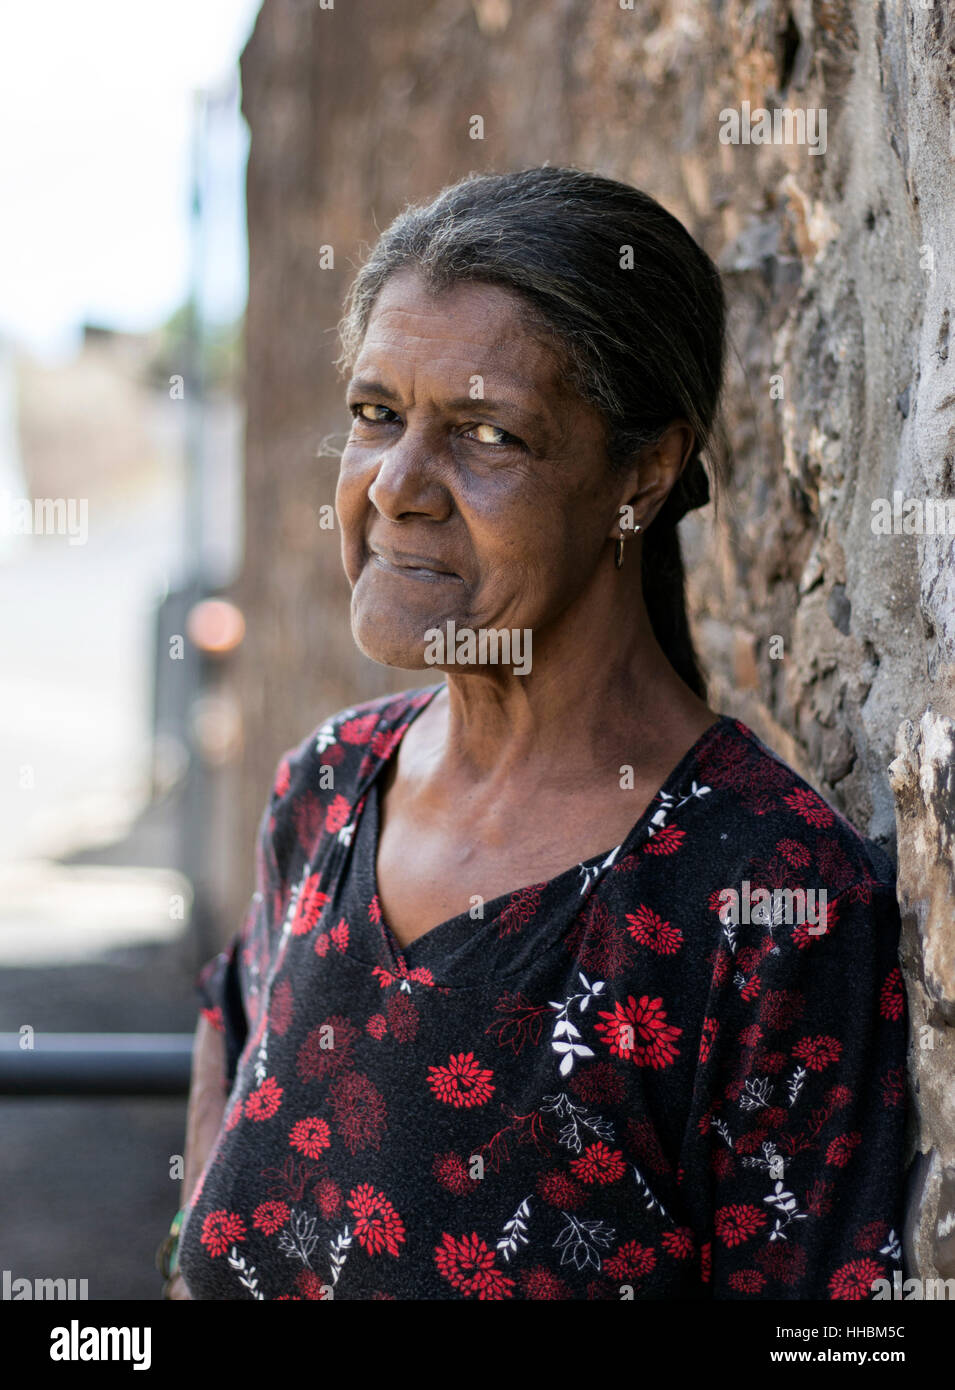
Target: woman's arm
x,y
207,1098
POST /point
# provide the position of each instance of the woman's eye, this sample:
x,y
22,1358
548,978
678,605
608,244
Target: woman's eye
x,y
493,434
366,411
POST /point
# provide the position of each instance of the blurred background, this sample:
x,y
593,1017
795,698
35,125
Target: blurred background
x,y
123,285
186,192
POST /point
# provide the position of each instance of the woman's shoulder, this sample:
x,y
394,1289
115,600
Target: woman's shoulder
x,y
335,754
779,815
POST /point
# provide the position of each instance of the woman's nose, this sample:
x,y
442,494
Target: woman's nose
x,y
406,479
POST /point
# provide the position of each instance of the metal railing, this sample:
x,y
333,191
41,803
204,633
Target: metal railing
x,y
96,1064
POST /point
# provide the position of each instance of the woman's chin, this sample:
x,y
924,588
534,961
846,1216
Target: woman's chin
x,y
389,643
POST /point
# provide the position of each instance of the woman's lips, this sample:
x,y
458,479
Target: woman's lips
x,y
414,567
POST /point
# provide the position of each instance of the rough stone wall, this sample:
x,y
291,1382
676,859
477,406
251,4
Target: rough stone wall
x,y
840,388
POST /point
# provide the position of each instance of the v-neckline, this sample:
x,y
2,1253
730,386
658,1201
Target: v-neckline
x,y
492,906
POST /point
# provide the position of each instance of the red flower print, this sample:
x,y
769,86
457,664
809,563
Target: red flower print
x,y
283,778
747,959
600,1083
751,988
463,1082
280,1008
780,1008
337,814
631,1261
359,1111
220,1230
308,814
870,1237
307,909
735,1224
891,999
772,1117
770,1061
721,1164
597,943
796,853
468,1265
540,1284
749,1037
893,1087
840,1150
649,929
358,731
339,936
783,1262
376,1026
819,1198
328,1198
311,1285
520,908
834,867
839,1097
639,1031
327,1049
214,1017
451,1173
746,1281
310,1137
711,1027
383,743
706,1261
402,1018
809,806
520,1022
263,1103
818,1053
805,933
749,1143
721,963
558,1190
666,840
377,1225
374,910
270,1217
678,1243
853,1281
599,1164
323,944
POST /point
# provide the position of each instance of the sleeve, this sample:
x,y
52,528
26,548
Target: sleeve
x,y
797,1130
229,985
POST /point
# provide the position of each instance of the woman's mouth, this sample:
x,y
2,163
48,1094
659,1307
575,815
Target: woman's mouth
x,y
414,567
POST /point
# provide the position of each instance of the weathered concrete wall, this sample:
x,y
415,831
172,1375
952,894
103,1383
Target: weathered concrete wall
x,y
839,267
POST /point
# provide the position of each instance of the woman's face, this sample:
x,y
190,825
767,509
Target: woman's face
x,y
474,486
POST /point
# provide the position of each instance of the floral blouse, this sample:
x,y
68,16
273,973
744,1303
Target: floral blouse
x,y
644,1078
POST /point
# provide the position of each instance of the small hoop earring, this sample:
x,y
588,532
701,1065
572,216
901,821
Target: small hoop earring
x,y
621,541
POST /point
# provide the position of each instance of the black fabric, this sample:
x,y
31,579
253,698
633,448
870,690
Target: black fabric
x,y
604,1087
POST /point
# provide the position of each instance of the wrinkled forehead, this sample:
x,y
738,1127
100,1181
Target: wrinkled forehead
x,y
470,328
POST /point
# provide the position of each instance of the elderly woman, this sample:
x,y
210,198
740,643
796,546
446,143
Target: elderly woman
x,y
557,983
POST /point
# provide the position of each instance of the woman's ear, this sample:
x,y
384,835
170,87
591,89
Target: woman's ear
x,y
653,476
